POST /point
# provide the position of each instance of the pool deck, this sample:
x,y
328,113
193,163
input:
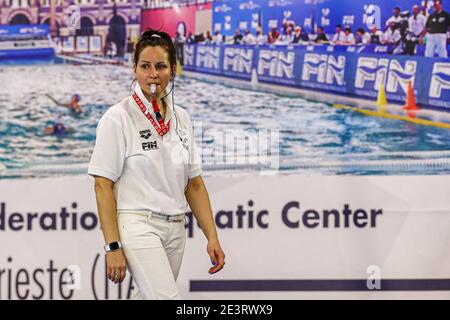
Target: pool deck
x,y
365,106
90,59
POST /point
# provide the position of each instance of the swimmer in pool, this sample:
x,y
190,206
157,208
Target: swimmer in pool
x,y
57,129
72,105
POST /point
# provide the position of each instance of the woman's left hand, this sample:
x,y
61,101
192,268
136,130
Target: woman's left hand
x,y
216,255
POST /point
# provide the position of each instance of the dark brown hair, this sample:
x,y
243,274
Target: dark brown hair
x,y
154,38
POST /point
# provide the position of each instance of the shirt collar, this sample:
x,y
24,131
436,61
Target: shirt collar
x,y
149,106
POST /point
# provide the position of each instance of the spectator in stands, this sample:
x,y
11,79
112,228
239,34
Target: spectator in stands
x,y
273,36
238,37
190,38
416,25
339,35
287,38
218,38
260,38
437,27
349,38
284,27
300,36
321,37
362,37
376,36
392,35
249,38
291,24
395,18
200,38
208,37
179,46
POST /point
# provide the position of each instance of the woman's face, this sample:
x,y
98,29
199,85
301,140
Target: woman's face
x,y
153,67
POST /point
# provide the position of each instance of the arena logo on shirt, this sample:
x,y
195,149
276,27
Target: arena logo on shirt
x,y
276,63
238,59
145,134
208,57
324,71
372,72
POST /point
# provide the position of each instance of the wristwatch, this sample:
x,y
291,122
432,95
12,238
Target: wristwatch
x,y
113,246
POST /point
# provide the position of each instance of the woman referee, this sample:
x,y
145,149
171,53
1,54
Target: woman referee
x,y
147,170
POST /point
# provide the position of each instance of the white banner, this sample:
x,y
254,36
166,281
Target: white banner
x,y
285,237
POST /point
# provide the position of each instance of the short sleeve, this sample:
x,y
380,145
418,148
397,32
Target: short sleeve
x,y
108,156
195,160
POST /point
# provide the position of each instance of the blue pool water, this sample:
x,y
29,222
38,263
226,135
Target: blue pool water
x,y
313,137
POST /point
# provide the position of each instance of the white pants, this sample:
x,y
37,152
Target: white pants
x,y
436,41
153,248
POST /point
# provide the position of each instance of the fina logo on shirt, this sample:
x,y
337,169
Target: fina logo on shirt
x,y
145,134
153,145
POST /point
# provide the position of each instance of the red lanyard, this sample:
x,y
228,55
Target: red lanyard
x,y
162,129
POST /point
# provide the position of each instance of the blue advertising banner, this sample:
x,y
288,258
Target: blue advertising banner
x,y
436,81
238,61
394,74
329,69
301,12
228,15
189,57
361,13
326,71
279,65
24,31
209,59
231,14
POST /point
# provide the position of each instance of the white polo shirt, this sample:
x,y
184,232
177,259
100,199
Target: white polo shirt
x,y
349,39
392,36
150,172
417,24
338,37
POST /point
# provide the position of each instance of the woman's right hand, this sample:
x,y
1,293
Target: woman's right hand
x,y
116,264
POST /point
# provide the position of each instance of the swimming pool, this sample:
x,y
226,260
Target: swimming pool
x,y
313,136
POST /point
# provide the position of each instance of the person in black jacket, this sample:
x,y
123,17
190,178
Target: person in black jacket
x,y
437,27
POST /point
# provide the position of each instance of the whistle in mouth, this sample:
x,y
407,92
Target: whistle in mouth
x,y
153,89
